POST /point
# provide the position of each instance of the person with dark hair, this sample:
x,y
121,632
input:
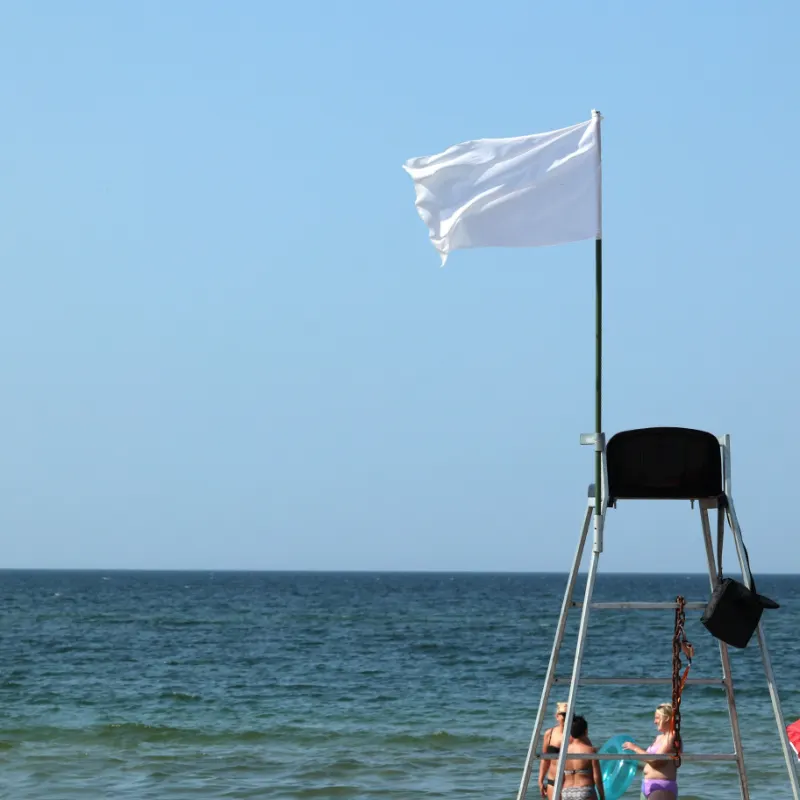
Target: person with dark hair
x,y
583,779
580,727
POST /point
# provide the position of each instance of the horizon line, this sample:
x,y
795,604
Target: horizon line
x,y
307,571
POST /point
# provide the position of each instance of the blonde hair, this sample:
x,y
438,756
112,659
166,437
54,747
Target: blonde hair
x,y
665,709
561,708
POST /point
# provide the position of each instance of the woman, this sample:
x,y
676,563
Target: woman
x,y
660,777
583,778
552,744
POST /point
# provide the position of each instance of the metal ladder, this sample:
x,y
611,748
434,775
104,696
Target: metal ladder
x,y
726,682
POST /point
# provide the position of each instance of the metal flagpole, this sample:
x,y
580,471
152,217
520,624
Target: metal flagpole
x,y
599,489
599,517
598,312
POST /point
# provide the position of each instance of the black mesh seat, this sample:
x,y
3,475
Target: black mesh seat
x,y
663,464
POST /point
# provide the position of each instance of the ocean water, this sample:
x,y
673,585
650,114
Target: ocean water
x,y
292,685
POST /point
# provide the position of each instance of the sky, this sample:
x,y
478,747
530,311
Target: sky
x,y
227,342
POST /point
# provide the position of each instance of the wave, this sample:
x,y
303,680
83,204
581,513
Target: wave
x,y
328,791
182,697
440,740
132,734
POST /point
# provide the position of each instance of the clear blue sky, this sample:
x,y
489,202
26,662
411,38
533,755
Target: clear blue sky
x,y
227,341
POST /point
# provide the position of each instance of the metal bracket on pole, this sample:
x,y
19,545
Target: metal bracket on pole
x,y
597,440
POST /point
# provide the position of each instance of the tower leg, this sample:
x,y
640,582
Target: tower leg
x,y
725,659
551,667
597,548
788,753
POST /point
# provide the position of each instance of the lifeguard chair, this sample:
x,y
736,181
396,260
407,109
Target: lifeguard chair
x,y
657,464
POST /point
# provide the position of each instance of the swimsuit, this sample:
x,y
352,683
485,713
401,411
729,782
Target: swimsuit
x,y
579,793
650,785
588,771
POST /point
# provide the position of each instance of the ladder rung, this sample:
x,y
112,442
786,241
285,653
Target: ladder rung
x,y
640,606
640,681
637,757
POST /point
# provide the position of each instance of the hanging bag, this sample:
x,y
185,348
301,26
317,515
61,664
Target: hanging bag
x,y
734,610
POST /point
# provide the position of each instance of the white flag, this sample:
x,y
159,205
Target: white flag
x,y
528,191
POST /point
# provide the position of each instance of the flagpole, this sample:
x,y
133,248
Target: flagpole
x,y
598,352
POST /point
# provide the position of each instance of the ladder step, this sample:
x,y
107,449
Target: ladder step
x,y
697,606
645,757
639,681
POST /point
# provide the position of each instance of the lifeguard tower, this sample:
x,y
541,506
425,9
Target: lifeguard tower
x,y
546,189
658,464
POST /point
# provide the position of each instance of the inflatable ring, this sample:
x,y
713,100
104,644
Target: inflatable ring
x,y
617,775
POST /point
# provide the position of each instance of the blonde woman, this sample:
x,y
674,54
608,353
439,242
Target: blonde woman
x,y
552,744
660,780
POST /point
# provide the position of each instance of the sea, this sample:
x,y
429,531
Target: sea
x,y
352,685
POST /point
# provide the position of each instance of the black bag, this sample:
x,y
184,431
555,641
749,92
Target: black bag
x,y
734,611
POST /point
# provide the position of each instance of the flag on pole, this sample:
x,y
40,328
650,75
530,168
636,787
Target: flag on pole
x,y
529,191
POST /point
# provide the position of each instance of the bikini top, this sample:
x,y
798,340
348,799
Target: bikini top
x,y
553,748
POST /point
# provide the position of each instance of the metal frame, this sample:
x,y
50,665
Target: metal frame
x,y
727,678
726,681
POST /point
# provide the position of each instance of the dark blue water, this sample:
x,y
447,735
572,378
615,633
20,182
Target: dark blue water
x,y
278,685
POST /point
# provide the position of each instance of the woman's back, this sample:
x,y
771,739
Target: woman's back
x,y
582,777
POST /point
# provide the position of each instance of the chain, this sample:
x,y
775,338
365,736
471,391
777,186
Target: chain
x,y
680,645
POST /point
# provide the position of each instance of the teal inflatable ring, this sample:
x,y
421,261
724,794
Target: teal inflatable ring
x,y
617,775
